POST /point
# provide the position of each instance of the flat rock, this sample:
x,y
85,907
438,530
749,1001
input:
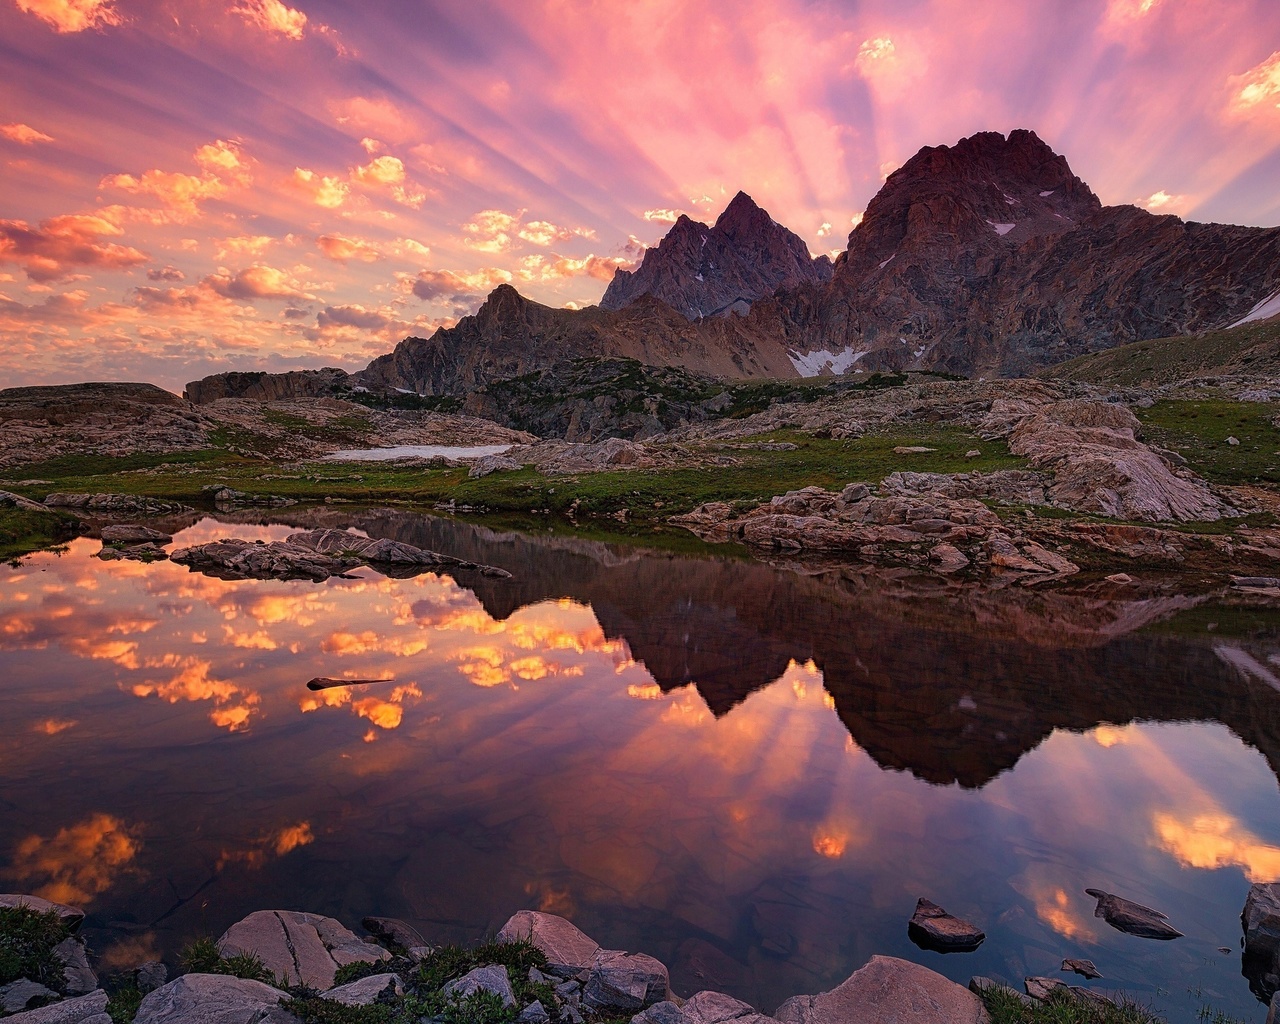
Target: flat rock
x,y
887,991
17,994
1261,922
931,927
625,981
299,948
366,990
76,970
390,930
71,917
561,941
130,533
1084,968
493,979
213,999
1132,918
90,1009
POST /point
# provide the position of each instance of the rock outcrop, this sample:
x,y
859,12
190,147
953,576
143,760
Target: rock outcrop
x,y
318,555
561,941
266,387
298,948
702,271
887,991
214,999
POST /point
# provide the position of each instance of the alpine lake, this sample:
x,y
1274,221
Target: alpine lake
x,y
747,771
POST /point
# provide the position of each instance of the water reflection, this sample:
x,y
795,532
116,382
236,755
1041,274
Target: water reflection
x,y
751,773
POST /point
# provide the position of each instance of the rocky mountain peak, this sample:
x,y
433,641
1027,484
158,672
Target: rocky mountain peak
x,y
708,271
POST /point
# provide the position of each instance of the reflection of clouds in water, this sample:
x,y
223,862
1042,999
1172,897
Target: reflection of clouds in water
x,y
77,863
383,712
276,844
1216,840
234,706
53,726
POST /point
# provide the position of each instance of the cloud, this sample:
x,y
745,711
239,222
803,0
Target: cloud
x,y
47,252
1259,87
166,274
1163,202
491,230
444,284
662,216
542,232
24,134
387,173
602,268
73,15
873,52
256,282
224,168
274,17
352,316
342,249
327,192
233,706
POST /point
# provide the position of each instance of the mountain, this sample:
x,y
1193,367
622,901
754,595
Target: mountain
x,y
991,257
986,258
702,271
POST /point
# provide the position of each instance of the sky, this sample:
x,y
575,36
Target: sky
x,y
194,186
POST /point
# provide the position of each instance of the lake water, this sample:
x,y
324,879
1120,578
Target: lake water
x,y
417,451
747,772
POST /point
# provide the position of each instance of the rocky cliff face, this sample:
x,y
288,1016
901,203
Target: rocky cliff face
x,y
990,257
266,387
702,271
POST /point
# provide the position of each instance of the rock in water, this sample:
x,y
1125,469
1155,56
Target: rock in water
x,y
625,981
90,1009
933,928
213,999
493,979
299,949
563,944
1082,967
1133,918
1261,921
887,991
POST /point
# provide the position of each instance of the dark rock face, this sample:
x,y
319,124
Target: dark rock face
x,y
991,257
702,271
266,387
1132,918
1261,921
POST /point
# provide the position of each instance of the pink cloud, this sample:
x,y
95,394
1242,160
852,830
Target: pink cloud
x,y
256,282
73,15
444,284
273,17
23,134
49,251
342,249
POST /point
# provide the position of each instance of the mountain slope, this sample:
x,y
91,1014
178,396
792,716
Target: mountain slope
x,y
705,271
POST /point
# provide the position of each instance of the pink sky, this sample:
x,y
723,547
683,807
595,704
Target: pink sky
x,y
196,186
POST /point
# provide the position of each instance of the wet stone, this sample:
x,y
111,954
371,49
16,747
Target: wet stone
x,y
1132,918
933,928
1085,968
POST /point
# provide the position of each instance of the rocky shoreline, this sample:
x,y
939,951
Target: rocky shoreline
x,y
290,967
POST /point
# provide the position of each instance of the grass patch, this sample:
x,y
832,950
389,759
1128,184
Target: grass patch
x,y
1060,1007
1198,431
123,1004
23,531
27,941
203,957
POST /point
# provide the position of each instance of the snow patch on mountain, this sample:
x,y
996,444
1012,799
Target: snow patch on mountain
x,y
815,364
1264,310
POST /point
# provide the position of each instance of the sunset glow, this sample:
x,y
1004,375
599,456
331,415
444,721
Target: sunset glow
x,y
255,184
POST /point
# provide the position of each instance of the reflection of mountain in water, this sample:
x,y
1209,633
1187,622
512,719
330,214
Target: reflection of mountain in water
x,y
951,685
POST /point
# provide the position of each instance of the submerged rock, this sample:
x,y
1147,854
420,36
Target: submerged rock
x,y
1132,918
887,991
1261,921
213,999
931,927
298,948
317,555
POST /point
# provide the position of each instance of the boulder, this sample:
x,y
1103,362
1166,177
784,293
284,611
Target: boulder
x,y
225,498
90,1009
213,999
625,981
1261,921
665,1012
10,500
1042,988
493,979
887,991
18,994
1273,1016
366,990
933,928
1085,968
534,1013
389,930
71,917
563,944
718,1008
76,970
129,533
298,948
1132,918
150,976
